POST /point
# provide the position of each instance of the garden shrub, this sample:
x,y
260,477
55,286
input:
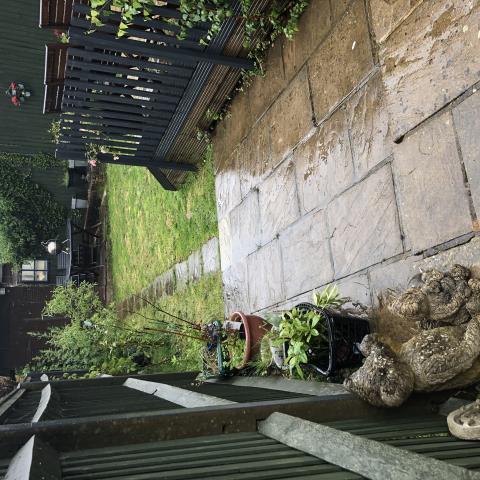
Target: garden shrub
x,y
29,214
93,340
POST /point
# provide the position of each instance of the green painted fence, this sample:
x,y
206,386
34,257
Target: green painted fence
x,y
23,129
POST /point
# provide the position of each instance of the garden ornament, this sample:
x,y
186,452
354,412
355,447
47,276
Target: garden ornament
x,y
464,422
436,358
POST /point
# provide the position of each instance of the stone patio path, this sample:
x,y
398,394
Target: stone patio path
x,y
356,158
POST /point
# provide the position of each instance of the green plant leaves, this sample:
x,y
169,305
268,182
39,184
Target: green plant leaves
x,y
261,28
299,328
93,340
328,297
29,214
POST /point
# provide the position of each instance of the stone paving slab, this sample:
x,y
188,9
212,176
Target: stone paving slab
x,y
264,89
165,283
227,187
363,224
265,276
432,197
195,266
387,15
296,101
467,121
355,287
369,128
238,123
211,256
278,201
306,255
289,303
429,60
394,275
225,242
235,288
467,254
338,8
342,61
313,27
245,228
254,159
323,164
181,274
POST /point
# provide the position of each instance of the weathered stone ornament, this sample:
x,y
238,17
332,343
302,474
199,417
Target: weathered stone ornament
x,y
439,301
444,354
382,381
438,355
464,422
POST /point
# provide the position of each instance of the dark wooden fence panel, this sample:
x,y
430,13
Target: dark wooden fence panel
x,y
55,63
130,96
56,13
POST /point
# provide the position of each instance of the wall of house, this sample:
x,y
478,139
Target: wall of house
x,y
23,129
356,158
20,313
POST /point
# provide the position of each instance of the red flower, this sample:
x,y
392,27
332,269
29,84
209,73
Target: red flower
x,y
16,101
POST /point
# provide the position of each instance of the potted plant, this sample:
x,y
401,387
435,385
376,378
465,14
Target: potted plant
x,y
243,338
320,336
300,329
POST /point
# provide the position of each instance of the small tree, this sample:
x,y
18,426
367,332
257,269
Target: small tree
x,y
94,339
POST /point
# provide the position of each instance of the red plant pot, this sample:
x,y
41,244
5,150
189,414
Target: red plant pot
x,y
255,328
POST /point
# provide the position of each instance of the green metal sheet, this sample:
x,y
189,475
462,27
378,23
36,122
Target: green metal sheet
x,y
240,456
427,436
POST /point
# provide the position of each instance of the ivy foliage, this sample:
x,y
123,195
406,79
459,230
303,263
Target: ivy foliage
x,y
29,214
261,26
128,9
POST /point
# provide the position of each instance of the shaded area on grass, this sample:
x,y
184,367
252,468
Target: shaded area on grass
x,y
150,229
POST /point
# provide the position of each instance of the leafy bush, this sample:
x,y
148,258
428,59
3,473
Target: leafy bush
x,y
93,340
26,163
29,214
76,303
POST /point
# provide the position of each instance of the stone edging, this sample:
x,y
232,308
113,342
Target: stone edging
x,y
203,261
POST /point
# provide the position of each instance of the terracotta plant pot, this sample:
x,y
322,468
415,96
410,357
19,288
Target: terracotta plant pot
x,y
255,328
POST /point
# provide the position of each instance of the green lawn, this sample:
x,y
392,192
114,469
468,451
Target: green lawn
x,y
150,229
201,302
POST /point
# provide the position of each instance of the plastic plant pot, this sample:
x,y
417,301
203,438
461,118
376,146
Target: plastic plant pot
x,y
254,328
344,333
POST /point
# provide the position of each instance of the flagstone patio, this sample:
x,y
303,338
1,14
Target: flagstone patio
x,y
355,160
